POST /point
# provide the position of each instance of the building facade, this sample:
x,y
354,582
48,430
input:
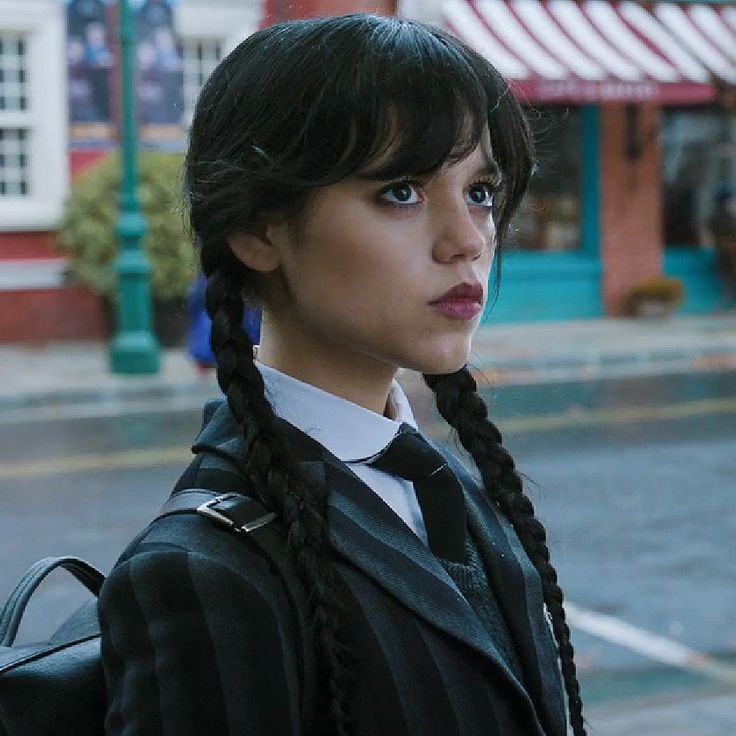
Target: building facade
x,y
632,107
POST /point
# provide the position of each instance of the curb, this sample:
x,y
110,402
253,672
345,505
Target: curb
x,y
499,373
603,366
111,395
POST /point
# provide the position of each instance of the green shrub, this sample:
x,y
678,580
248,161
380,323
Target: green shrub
x,y
91,215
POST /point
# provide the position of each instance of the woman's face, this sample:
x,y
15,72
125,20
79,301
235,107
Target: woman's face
x,y
368,275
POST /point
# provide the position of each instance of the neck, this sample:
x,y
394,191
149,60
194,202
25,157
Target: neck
x,y
330,367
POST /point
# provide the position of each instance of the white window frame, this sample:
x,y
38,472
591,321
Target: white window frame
x,y
228,22
42,23
225,22
188,41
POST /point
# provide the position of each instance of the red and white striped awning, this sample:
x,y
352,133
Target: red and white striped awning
x,y
598,51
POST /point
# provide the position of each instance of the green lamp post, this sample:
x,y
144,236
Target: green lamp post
x,y
134,349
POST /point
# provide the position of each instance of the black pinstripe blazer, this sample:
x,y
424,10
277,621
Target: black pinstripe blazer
x,y
199,637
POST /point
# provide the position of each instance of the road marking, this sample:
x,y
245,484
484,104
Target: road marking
x,y
573,418
105,409
579,417
653,646
108,461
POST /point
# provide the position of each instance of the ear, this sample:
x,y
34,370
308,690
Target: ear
x,y
260,248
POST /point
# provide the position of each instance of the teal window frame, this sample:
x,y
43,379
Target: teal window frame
x,y
550,286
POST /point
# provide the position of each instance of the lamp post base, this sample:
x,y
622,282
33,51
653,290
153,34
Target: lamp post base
x,y
134,353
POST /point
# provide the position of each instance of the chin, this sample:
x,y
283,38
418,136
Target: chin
x,y
443,363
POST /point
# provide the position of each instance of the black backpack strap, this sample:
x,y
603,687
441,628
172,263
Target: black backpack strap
x,y
12,612
246,515
237,512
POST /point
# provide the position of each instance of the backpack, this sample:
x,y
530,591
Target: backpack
x,y
56,687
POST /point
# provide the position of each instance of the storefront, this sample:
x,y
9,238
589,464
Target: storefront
x,y
632,107
634,137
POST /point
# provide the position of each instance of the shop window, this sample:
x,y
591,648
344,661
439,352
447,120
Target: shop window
x,y
698,166
209,30
14,161
14,173
13,72
201,56
550,215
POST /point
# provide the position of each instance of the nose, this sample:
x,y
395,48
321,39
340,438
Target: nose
x,y
463,233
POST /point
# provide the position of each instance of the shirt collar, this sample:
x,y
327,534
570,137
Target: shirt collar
x,y
350,432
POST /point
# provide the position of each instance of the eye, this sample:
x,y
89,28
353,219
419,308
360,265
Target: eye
x,y
481,193
401,193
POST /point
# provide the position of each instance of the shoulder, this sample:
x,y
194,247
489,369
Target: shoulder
x,y
188,563
193,631
191,550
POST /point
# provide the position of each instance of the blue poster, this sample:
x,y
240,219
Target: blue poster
x,y
160,74
91,63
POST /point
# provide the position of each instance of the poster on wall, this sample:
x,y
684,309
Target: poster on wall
x,y
91,63
160,75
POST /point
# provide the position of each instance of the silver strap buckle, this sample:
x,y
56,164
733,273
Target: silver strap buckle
x,y
208,509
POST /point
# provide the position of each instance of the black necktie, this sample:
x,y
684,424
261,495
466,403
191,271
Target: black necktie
x,y
438,491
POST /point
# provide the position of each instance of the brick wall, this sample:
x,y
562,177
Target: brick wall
x,y
41,315
27,245
631,218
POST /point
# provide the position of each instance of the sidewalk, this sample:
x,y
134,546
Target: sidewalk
x,y
711,714
77,373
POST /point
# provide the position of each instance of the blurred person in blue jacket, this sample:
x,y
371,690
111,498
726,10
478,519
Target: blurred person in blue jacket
x,y
198,335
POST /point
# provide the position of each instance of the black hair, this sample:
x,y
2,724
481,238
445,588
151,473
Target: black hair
x,y
305,104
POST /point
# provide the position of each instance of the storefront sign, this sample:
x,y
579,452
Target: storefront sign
x,y
579,91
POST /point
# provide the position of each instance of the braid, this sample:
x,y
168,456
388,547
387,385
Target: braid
x,y
273,472
463,409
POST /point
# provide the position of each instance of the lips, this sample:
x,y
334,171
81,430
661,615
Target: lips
x,y
465,292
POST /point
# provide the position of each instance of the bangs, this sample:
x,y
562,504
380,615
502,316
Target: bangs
x,y
321,100
413,104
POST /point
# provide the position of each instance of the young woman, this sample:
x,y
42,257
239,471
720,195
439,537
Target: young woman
x,y
355,176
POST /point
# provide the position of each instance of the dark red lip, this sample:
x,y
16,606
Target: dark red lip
x,y
462,292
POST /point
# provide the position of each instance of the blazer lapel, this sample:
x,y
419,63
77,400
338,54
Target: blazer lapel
x,y
519,592
367,532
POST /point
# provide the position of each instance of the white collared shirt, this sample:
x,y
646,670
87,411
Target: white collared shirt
x,y
351,433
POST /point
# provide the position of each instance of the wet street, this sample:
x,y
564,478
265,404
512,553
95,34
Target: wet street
x,y
633,478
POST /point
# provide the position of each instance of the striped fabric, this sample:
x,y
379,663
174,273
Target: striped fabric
x,y
198,637
602,51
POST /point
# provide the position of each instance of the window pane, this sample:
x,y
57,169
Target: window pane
x,y
698,163
201,56
13,72
14,159
549,217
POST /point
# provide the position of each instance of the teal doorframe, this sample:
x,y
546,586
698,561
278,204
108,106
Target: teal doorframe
x,y
696,267
558,286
